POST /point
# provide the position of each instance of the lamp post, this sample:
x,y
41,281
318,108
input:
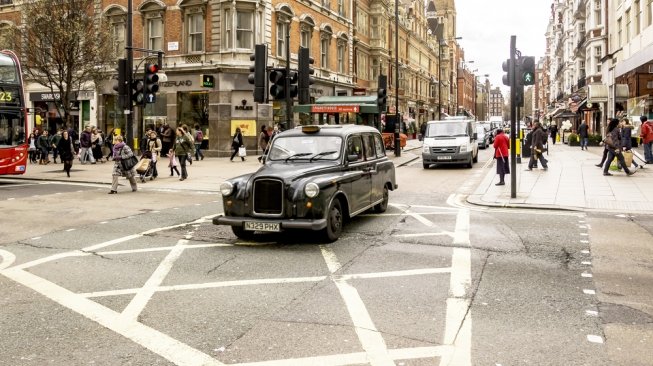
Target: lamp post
x,y
440,44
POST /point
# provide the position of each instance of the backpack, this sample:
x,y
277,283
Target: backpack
x,y
199,136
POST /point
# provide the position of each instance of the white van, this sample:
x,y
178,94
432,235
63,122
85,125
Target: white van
x,y
452,141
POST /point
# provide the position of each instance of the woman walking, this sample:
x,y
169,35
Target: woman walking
x,y
613,144
626,138
96,145
236,143
121,151
66,151
501,144
32,148
263,139
154,146
183,148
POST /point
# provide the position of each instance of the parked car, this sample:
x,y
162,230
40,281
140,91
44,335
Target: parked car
x,y
315,178
483,137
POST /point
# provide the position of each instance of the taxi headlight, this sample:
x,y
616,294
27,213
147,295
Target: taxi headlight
x,y
226,188
311,190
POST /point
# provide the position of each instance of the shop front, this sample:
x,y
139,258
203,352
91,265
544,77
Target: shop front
x,y
47,111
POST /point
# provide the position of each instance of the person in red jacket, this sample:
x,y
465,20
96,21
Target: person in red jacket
x,y
646,133
501,146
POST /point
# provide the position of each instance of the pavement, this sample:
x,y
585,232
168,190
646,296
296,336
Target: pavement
x,y
572,181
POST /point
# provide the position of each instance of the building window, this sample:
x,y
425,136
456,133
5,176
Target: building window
x,y
306,32
118,37
195,29
305,38
598,19
245,29
637,16
342,47
282,30
7,36
598,55
375,28
155,33
341,8
324,52
326,4
628,25
619,32
361,66
228,30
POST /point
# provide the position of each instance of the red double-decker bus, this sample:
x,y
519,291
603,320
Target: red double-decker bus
x,y
13,116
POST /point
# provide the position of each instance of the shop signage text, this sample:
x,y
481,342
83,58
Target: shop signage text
x,y
244,108
329,108
170,84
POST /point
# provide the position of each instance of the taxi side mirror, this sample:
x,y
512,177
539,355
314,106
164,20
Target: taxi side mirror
x,y
352,158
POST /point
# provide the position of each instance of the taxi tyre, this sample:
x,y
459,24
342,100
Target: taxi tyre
x,y
335,220
241,233
381,207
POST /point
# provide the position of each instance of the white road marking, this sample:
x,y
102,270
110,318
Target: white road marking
x,y
447,233
592,312
157,342
585,241
70,230
586,275
582,226
368,335
36,238
458,326
409,272
8,259
586,263
589,292
584,234
162,249
103,222
585,251
594,338
407,214
10,199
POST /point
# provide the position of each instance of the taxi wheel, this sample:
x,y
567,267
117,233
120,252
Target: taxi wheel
x,y
242,233
335,219
381,207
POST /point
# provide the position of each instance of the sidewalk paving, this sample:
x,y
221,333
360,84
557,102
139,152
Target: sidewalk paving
x,y
572,182
203,176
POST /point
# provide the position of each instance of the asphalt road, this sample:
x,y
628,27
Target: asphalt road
x,y
146,279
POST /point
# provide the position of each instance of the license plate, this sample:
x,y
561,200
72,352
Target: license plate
x,y
262,226
444,157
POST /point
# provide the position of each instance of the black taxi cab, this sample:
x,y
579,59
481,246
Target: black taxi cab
x,y
313,177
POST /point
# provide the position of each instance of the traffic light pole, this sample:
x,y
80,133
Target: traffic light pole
x,y
513,117
129,115
397,115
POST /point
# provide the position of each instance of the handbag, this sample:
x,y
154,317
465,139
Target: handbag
x,y
242,151
608,141
129,163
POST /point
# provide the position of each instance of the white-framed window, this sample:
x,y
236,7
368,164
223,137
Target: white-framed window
x,y
118,38
619,32
598,18
628,25
342,11
598,55
361,66
195,31
342,55
375,27
227,42
306,32
325,42
282,31
637,17
155,33
245,29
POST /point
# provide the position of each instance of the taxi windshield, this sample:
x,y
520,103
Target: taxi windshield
x,y
305,148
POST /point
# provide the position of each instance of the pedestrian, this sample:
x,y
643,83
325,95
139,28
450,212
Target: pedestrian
x,y
583,133
109,143
613,122
66,150
43,144
528,142
75,137
189,158
263,139
537,147
85,146
54,141
198,138
167,138
613,144
32,147
646,133
173,163
553,129
626,138
96,145
121,151
501,146
236,143
183,146
154,146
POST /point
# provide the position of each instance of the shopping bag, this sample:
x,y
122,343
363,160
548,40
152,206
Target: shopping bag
x,y
628,158
242,151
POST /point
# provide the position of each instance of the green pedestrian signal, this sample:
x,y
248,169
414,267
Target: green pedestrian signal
x,y
527,70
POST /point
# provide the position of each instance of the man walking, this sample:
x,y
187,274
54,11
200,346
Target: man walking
x,y
646,133
554,132
537,148
85,142
584,135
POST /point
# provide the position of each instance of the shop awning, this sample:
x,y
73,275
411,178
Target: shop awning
x,y
621,92
564,113
597,93
341,104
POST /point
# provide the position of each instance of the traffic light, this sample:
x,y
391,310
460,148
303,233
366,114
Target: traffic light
x,y
137,92
121,85
257,76
151,81
527,70
382,93
519,95
305,78
292,81
507,77
278,83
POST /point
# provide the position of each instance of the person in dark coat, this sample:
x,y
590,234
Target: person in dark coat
x,y
121,151
539,139
626,138
501,145
66,151
553,129
236,143
614,149
583,133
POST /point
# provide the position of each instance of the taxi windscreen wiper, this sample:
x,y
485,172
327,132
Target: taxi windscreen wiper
x,y
297,156
318,155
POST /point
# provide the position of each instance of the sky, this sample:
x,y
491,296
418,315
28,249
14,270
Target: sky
x,y
486,27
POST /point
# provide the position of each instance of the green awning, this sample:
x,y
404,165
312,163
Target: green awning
x,y
365,104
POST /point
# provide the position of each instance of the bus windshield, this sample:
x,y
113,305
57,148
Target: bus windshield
x,y
12,128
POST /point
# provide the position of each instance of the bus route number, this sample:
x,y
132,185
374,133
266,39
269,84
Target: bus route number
x,y
6,97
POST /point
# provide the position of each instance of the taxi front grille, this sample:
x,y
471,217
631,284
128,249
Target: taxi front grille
x,y
268,197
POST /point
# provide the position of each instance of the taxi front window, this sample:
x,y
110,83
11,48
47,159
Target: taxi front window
x,y
305,148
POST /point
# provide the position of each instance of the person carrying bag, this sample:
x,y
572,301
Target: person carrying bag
x,y
124,162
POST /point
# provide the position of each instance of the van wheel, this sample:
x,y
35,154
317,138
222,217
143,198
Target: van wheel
x,y
381,207
335,219
470,163
475,160
242,233
425,165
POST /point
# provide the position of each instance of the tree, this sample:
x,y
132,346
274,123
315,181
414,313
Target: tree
x,y
65,45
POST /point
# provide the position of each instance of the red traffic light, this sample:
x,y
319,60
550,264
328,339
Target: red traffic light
x,y
152,68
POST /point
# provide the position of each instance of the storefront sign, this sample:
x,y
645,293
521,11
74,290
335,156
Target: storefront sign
x,y
359,91
173,46
330,108
208,81
247,126
170,84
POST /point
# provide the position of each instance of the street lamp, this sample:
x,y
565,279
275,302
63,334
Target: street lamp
x,y
397,119
440,44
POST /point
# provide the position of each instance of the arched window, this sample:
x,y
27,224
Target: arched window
x,y
117,17
342,52
325,43
153,13
306,26
284,18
